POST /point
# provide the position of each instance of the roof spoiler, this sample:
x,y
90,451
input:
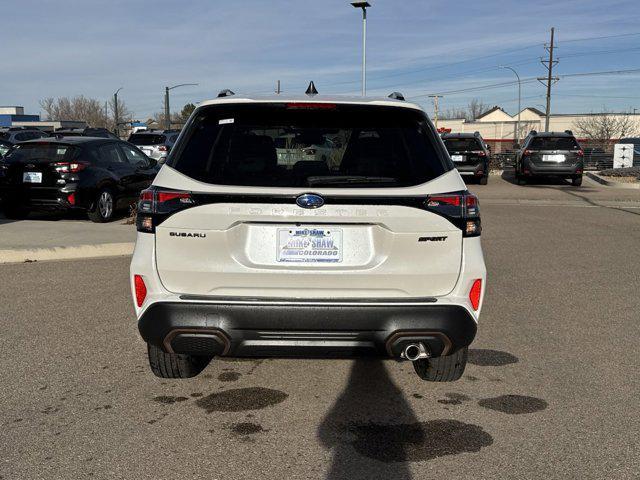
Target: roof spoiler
x,y
225,93
396,96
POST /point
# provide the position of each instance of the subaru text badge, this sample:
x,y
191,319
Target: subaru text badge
x,y
310,200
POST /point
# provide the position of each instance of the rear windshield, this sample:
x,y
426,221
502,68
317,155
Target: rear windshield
x,y
38,152
299,145
146,139
554,143
462,144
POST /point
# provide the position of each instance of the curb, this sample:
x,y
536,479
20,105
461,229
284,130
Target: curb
x,y
608,183
66,253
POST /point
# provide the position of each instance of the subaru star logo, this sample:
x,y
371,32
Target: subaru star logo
x,y
310,200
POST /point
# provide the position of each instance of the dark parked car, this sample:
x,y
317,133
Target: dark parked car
x,y
470,155
21,134
96,175
555,154
155,143
83,132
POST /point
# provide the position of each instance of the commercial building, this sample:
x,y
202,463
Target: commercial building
x,y
498,128
14,116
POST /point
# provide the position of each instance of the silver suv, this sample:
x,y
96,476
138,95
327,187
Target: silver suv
x,y
372,250
155,144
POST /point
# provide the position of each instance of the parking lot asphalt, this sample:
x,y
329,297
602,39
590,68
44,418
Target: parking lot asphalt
x,y
551,390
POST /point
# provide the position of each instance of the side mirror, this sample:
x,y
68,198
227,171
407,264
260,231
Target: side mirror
x,y
152,162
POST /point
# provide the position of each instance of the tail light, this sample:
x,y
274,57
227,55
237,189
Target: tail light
x,y
70,167
156,205
140,289
479,153
475,292
461,209
580,153
72,198
163,148
527,153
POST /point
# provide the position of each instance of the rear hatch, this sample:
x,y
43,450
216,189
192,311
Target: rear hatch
x,y
465,151
152,145
554,151
253,224
34,168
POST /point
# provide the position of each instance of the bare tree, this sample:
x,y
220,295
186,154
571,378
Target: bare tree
x,y
605,128
453,114
476,108
80,108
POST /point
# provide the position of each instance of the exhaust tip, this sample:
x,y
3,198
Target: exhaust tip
x,y
415,351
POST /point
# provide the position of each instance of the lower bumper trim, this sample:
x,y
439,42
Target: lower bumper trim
x,y
305,330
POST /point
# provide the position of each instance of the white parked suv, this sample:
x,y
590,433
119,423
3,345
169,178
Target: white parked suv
x,y
375,251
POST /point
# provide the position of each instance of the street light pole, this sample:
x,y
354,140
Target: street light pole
x,y
363,6
167,111
517,132
116,129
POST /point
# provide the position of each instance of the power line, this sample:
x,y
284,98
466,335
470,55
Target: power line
x,y
600,38
528,80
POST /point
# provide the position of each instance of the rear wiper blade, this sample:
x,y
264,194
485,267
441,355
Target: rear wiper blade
x,y
348,179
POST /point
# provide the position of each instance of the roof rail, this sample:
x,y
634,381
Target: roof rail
x,y
396,96
225,93
569,132
476,134
533,132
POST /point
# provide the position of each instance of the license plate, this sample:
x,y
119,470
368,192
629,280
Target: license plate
x,y
457,158
31,177
310,245
553,158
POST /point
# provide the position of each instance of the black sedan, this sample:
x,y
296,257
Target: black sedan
x,y
97,175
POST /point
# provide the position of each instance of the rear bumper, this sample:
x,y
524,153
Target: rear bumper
x,y
553,169
306,329
477,170
40,198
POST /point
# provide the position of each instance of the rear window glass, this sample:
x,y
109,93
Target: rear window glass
x,y
307,145
146,139
462,144
35,152
554,143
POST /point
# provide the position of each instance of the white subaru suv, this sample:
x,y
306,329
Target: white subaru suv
x,y
373,251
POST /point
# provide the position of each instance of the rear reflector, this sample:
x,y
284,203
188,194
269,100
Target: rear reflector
x,y
474,293
141,289
72,199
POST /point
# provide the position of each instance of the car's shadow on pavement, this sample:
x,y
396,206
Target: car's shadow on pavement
x,y
374,432
509,176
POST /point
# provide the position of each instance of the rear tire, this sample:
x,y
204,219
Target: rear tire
x,y
175,365
442,369
576,181
103,207
483,180
15,212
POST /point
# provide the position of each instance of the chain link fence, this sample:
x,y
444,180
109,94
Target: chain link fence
x,y
592,161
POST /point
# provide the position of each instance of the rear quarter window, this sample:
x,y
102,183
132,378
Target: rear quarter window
x,y
307,145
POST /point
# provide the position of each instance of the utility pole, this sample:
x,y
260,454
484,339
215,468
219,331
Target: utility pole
x,y
436,99
115,113
549,79
106,114
167,112
278,87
